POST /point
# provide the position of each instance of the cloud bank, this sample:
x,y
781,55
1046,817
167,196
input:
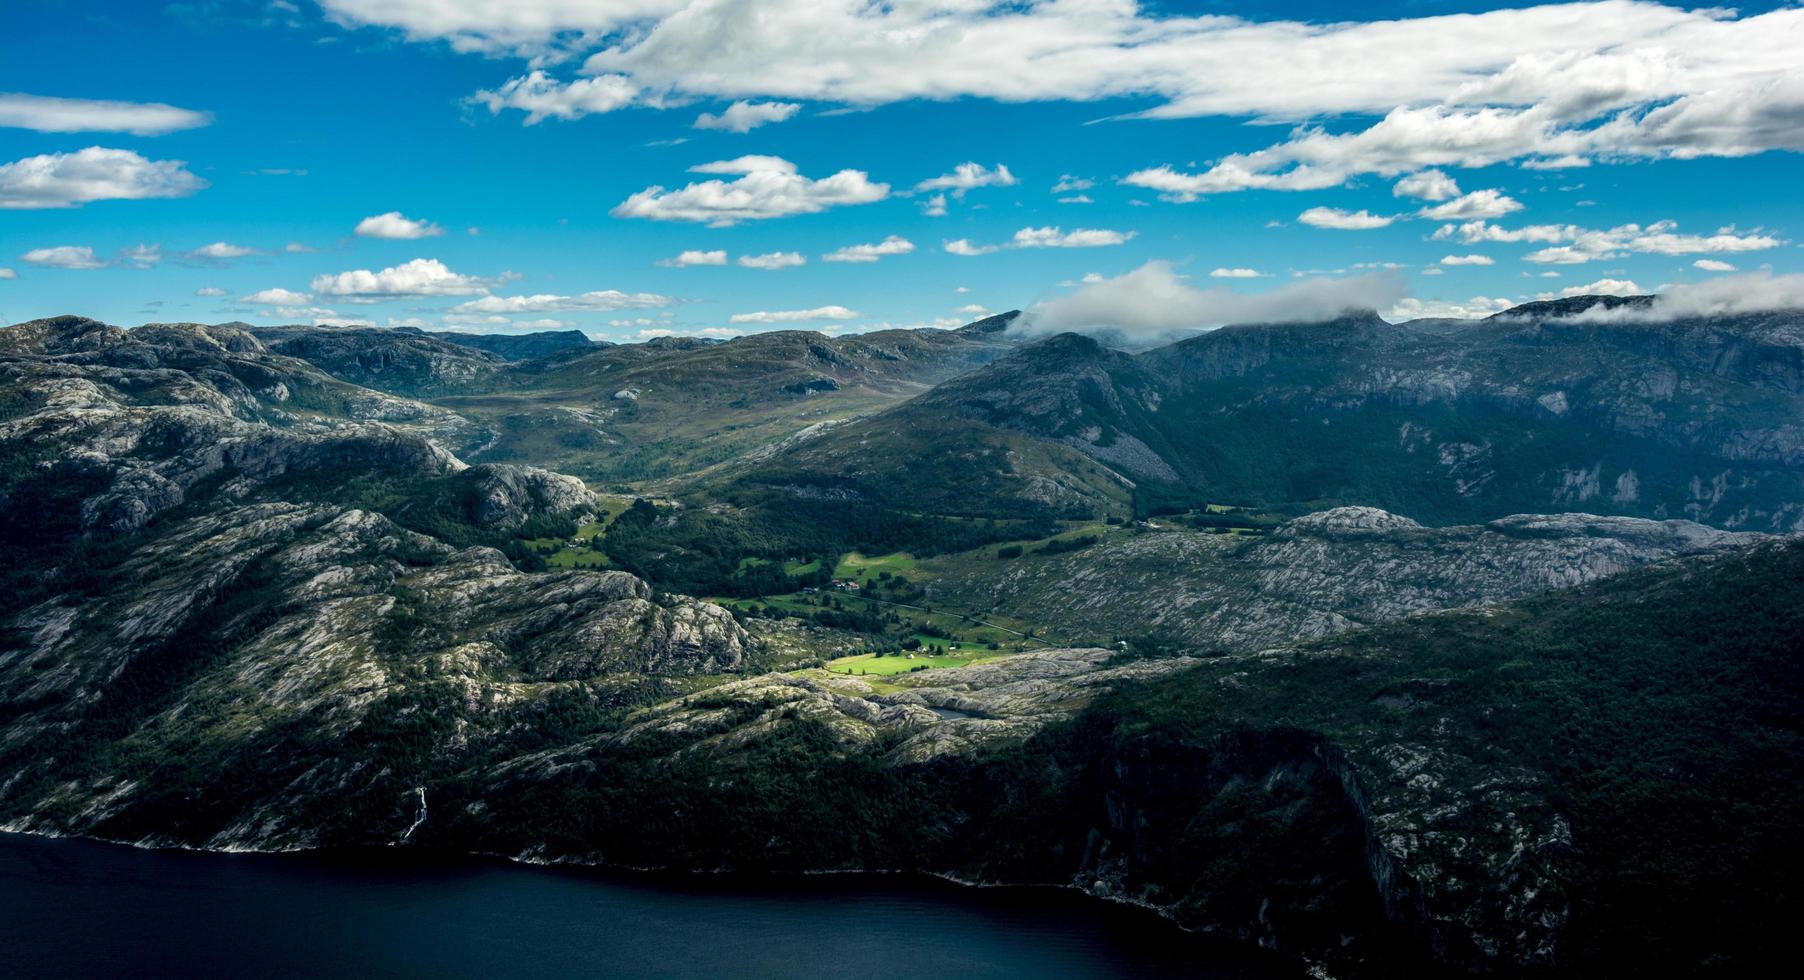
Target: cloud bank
x,y
1153,302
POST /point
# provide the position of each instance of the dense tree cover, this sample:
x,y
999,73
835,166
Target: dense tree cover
x,y
702,551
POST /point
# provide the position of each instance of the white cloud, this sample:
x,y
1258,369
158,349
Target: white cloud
x,y
768,187
1749,292
1713,265
1053,237
794,316
1068,183
1478,307
209,291
1555,83
219,253
1361,220
540,96
279,297
969,176
1077,199
1241,273
934,207
65,257
1427,185
603,300
963,246
1152,301
773,260
395,225
1605,287
6,273
1434,271
1478,204
1050,236
871,252
1573,244
53,115
1467,260
743,116
298,248
973,309
69,180
689,257
141,256
420,277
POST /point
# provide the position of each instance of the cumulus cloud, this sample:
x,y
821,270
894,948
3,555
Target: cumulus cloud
x,y
65,257
1467,260
934,207
1336,218
1574,244
1428,185
870,252
744,116
395,225
1605,287
768,187
773,260
1476,308
278,297
1153,301
420,277
1050,236
218,253
1478,204
299,248
689,257
968,176
1713,265
141,256
6,273
53,115
1242,273
602,300
973,309
794,316
70,180
1068,184
542,97
1555,84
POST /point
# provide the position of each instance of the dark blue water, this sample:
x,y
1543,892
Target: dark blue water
x,y
78,908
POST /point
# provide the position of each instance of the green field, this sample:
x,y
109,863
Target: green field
x,y
856,567
866,663
559,553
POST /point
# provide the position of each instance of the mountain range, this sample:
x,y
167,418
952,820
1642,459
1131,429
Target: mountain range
x,y
1399,648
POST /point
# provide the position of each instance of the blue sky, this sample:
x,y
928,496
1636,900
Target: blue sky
x,y
301,120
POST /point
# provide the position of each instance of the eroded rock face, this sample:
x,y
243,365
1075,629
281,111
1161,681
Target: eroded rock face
x,y
151,414
1321,574
507,495
270,618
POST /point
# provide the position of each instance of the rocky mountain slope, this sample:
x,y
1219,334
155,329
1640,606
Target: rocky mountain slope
x,y
1310,577
1535,410
1591,782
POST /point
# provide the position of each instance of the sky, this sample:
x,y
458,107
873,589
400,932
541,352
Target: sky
x,y
641,168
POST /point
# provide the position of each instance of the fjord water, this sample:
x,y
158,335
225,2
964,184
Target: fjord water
x,y
80,908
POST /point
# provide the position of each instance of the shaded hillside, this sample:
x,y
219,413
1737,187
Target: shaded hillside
x,y
405,362
671,406
1695,418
